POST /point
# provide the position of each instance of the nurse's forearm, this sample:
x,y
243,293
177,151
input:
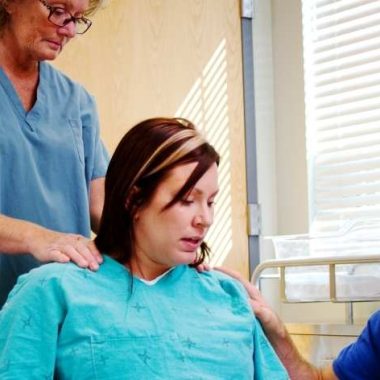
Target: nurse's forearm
x,y
275,330
298,368
20,236
96,202
16,235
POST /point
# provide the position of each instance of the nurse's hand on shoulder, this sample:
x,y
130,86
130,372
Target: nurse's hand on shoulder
x,y
62,247
204,267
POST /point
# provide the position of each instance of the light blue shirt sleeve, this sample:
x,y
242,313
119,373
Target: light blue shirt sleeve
x,y
30,323
93,153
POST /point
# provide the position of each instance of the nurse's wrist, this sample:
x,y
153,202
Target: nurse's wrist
x,y
38,239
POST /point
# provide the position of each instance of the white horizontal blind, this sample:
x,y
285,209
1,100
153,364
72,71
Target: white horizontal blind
x,y
342,96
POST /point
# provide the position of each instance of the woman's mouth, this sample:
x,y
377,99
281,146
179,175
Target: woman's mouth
x,y
55,45
191,244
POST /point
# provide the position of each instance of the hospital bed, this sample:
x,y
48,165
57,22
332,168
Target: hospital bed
x,y
343,268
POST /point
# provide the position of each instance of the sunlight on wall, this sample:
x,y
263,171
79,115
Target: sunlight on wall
x,y
206,106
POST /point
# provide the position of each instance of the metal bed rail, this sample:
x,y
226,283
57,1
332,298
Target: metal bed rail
x,y
330,261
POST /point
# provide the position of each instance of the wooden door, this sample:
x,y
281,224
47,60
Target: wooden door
x,y
145,58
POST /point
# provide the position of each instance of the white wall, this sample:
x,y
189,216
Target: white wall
x,y
281,159
291,168
265,123
282,175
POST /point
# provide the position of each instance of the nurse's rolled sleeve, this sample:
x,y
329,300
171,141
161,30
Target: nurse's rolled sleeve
x,y
29,325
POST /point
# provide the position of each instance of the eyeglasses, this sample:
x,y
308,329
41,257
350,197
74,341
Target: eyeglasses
x,y
60,16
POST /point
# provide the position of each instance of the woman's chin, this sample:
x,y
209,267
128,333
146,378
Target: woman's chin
x,y
187,259
49,54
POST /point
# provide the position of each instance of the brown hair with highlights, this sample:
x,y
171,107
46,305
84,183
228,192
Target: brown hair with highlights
x,y
140,163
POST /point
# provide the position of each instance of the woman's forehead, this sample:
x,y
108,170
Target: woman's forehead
x,y
180,174
75,5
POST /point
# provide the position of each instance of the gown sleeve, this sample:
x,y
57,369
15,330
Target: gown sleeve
x,y
29,327
267,365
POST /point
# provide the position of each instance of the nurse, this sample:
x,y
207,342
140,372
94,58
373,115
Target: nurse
x,y
147,313
52,162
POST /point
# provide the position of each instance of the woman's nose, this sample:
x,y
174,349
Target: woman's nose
x,y
204,218
68,30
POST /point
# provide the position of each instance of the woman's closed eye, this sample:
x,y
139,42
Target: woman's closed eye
x,y
187,201
58,11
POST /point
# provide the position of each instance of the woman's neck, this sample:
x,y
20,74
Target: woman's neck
x,y
144,270
14,60
21,72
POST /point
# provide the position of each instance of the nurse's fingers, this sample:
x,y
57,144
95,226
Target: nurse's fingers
x,y
204,267
253,293
94,251
82,253
230,272
76,254
47,245
63,247
58,256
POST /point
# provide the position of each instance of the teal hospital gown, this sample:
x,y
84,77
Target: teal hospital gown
x,y
69,323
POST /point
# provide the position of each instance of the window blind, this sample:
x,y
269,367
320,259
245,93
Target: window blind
x,y
342,102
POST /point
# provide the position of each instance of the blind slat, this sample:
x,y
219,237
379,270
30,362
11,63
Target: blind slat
x,y
330,180
348,131
346,167
342,98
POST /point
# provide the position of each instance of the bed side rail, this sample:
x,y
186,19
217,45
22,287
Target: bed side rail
x,y
331,262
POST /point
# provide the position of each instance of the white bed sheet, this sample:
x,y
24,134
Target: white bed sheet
x,y
308,286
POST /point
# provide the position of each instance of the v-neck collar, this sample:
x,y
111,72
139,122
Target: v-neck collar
x,y
9,88
172,272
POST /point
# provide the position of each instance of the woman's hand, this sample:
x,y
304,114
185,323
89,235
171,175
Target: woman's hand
x,y
62,247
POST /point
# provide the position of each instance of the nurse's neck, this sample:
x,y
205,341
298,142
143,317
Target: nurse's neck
x,y
17,63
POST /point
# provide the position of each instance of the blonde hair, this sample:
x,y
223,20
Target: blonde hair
x,y
192,141
93,6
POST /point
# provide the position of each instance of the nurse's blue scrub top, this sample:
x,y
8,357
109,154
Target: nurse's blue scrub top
x,y
109,325
48,156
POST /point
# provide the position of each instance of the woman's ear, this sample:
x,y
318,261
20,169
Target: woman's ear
x,y
131,203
